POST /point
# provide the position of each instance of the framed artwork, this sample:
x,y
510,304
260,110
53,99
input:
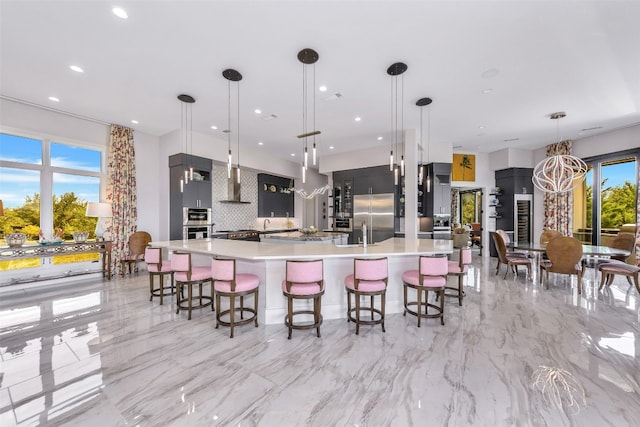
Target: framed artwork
x,y
464,167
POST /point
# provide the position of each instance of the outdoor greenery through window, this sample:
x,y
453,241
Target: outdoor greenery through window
x,y
606,200
45,186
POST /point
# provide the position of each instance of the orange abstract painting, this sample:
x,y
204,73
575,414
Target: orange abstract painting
x,y
464,167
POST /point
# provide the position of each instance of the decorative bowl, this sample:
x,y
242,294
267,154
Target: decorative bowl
x,y
50,242
310,230
80,236
15,240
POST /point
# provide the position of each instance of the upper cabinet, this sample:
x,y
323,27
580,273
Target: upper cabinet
x,y
195,193
274,197
352,182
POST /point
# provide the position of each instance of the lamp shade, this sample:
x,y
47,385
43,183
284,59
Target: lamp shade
x,y
100,210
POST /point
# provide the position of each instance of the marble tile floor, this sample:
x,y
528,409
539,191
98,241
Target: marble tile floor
x,y
100,354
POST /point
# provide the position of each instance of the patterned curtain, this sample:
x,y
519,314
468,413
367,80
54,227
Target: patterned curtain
x,y
455,212
121,191
558,207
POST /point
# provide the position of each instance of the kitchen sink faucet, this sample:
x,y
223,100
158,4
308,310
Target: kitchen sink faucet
x,y
264,224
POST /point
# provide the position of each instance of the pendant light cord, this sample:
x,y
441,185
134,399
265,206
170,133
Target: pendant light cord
x,y
238,131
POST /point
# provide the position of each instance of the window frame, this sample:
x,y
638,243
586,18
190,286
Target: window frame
x,y
47,171
595,162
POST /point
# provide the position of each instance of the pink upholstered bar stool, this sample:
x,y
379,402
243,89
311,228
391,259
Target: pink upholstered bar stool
x,y
458,268
156,266
187,275
304,281
228,283
369,279
430,276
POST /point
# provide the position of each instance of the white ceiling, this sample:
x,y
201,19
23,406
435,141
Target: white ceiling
x,y
574,56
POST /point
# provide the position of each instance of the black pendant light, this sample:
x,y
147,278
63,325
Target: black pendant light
x,y
308,57
233,76
186,128
421,103
396,71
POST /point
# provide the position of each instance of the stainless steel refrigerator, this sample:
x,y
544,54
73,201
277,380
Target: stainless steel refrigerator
x,y
377,211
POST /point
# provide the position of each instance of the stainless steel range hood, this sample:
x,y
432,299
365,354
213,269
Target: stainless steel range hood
x,y
234,187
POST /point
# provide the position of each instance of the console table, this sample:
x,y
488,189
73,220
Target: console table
x,y
64,248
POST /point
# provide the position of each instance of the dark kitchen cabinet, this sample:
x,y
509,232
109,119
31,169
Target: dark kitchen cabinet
x,y
194,194
353,182
510,182
274,197
437,196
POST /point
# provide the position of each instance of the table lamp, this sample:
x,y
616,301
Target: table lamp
x,y
101,211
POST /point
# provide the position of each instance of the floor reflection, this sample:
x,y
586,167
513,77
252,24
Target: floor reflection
x,y
46,366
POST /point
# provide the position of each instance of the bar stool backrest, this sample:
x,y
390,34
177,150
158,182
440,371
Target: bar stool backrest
x,y
181,264
307,271
224,270
433,266
370,269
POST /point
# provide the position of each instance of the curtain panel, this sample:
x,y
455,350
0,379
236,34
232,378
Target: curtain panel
x,y
558,207
121,191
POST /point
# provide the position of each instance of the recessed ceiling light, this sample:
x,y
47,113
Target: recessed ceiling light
x,y
214,127
293,154
379,138
54,99
331,147
135,122
119,12
488,90
257,111
490,73
357,119
260,143
481,127
322,88
76,68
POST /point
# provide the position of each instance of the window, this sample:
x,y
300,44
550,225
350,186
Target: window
x,y
45,186
607,198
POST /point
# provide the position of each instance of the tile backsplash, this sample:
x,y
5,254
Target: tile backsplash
x,y
234,216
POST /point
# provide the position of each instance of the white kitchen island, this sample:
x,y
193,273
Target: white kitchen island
x,y
267,260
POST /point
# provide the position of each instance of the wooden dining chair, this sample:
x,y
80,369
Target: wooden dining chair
x,y
548,235
564,254
137,244
507,258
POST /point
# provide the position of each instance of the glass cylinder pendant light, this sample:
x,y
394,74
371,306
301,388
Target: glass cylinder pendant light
x,y
397,117
186,127
308,57
421,103
232,76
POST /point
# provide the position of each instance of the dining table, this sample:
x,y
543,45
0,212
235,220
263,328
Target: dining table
x,y
588,251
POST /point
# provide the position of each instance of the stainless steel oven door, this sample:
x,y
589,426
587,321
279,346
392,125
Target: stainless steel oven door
x,y
192,232
342,224
196,216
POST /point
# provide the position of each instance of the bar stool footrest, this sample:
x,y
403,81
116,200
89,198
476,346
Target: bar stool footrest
x,y
242,311
375,321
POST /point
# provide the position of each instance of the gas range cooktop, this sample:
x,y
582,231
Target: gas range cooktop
x,y
243,235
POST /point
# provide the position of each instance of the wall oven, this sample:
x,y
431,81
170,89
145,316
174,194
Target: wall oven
x,y
342,224
196,216
190,232
197,223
